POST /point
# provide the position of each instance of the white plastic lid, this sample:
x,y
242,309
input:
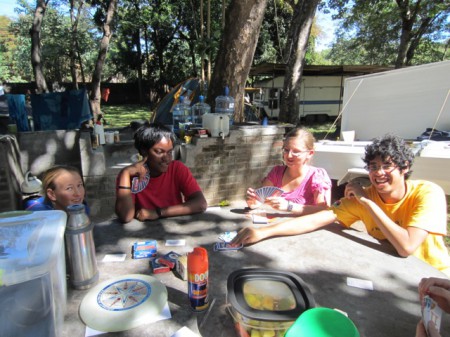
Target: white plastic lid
x,y
29,244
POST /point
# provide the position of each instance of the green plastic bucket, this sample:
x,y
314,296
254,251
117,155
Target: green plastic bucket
x,y
322,322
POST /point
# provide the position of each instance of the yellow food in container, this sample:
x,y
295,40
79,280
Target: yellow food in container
x,y
264,302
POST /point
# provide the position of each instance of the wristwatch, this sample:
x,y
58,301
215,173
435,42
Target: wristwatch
x,y
290,206
158,211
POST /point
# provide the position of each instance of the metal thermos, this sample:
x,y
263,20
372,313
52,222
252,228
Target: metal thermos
x,y
80,248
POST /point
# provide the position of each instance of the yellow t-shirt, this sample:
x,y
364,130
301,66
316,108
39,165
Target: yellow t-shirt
x,y
424,206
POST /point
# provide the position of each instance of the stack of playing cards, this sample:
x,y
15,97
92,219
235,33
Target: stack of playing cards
x,y
158,267
170,259
165,263
263,193
431,312
225,246
144,249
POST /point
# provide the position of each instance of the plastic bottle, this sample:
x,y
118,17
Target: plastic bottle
x,y
31,188
225,105
197,269
187,99
198,110
181,116
116,137
100,131
80,248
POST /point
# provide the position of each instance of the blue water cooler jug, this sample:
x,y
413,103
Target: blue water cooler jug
x,y
198,110
225,105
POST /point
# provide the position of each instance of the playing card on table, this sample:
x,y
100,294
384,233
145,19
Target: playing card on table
x,y
225,246
431,312
264,192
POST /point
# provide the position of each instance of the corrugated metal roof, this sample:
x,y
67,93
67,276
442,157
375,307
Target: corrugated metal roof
x,y
278,69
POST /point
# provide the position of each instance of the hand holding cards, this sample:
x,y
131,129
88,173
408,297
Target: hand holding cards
x,y
226,238
138,184
431,312
264,192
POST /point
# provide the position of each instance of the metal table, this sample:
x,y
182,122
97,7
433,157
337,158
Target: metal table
x,y
323,259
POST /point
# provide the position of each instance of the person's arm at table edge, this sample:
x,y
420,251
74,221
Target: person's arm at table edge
x,y
296,226
124,206
195,203
405,240
321,203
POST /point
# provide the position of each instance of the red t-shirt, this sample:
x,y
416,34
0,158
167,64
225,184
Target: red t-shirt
x,y
170,188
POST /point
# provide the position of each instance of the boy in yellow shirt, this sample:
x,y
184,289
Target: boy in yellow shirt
x,y
412,215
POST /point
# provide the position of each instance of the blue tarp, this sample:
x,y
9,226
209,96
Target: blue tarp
x,y
60,110
18,112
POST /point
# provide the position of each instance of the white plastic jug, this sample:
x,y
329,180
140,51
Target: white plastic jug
x,y
31,184
218,125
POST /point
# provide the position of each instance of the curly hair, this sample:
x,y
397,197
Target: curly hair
x,y
150,134
390,147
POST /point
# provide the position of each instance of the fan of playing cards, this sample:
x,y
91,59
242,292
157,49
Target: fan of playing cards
x,y
263,193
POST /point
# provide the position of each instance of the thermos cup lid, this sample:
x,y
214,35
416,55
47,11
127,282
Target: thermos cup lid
x,y
75,208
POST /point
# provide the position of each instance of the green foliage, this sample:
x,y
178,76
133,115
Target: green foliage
x,y
8,41
272,40
161,38
55,40
370,31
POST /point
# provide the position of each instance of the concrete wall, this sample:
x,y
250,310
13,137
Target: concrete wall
x,y
224,168
40,150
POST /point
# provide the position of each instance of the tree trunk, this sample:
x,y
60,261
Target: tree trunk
x,y
234,58
298,36
408,18
35,33
137,43
74,45
95,95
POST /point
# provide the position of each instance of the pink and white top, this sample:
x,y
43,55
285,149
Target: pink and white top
x,y
316,180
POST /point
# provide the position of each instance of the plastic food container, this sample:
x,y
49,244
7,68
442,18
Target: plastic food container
x,y
266,302
32,273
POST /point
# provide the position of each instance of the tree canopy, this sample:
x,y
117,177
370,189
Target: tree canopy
x,y
160,43
385,32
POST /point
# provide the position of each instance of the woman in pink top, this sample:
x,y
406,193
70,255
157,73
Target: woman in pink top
x,y
307,189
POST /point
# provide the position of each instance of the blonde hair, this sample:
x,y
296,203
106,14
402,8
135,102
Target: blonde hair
x,y
304,134
48,180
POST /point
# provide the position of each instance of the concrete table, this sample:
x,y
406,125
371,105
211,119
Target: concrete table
x,y
323,259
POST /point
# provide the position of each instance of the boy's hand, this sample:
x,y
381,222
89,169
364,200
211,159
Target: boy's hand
x,y
247,235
